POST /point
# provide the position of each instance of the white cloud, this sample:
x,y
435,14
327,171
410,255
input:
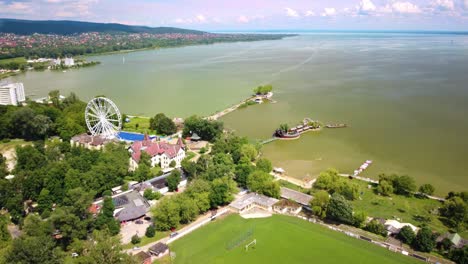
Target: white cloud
x,y
15,8
291,12
311,13
328,11
180,21
466,4
243,19
201,18
443,5
404,8
365,7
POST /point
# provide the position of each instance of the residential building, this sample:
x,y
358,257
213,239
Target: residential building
x,y
68,62
129,205
159,249
454,238
12,94
285,206
161,153
143,257
91,142
159,184
300,198
253,200
393,226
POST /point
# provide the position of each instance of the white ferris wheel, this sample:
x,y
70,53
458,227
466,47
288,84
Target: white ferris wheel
x,y
103,117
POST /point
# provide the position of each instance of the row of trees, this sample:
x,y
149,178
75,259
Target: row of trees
x,y
38,121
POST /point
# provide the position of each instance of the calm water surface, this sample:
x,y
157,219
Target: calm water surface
x,y
404,96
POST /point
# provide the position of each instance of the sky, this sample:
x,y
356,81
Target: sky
x,y
252,14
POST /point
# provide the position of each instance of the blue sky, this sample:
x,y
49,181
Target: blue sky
x,y
253,14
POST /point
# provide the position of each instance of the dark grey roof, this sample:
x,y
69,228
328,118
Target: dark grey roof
x,y
158,248
296,196
158,182
131,213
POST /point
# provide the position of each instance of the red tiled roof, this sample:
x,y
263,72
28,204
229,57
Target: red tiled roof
x,y
154,148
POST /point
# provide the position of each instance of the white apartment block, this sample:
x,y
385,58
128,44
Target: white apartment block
x,y
12,94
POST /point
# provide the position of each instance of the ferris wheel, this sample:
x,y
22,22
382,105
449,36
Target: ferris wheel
x,y
103,117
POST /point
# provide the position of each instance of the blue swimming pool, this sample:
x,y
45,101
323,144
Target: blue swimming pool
x,y
130,136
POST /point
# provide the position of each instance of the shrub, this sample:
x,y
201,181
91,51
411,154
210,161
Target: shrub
x,y
406,235
377,228
150,231
172,164
136,239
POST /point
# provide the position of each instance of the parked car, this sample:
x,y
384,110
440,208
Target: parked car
x,y
173,234
139,222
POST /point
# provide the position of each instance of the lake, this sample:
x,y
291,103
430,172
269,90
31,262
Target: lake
x,y
403,96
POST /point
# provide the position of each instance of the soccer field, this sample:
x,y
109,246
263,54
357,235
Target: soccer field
x,y
280,239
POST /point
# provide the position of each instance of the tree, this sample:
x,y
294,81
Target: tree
x,y
404,185
105,219
190,168
206,129
163,124
264,165
44,201
249,152
150,231
320,203
222,190
34,250
173,180
188,209
262,182
328,180
350,190
103,248
166,214
455,210
406,235
359,219
284,128
459,255
3,167
142,173
172,164
4,234
385,188
375,227
242,172
339,209
150,195
135,239
426,189
424,240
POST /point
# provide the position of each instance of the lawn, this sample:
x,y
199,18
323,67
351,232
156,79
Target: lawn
x,y
138,124
409,209
146,240
280,239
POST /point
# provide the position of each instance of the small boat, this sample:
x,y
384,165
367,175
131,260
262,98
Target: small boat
x,y
64,71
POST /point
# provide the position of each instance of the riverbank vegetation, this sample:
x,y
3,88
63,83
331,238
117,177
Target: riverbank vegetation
x,y
351,201
263,89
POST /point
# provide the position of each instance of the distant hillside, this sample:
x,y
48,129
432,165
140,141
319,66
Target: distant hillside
x,y
28,27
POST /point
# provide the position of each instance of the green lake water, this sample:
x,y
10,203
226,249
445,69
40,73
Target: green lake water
x,y
404,97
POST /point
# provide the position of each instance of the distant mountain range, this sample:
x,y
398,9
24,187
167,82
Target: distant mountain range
x,y
65,27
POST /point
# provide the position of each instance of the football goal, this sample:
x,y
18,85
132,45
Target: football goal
x,y
251,244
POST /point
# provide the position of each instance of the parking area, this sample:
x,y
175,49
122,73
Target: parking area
x,y
129,229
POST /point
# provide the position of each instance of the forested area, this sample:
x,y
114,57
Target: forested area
x,y
39,121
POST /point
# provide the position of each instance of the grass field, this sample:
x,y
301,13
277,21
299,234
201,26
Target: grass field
x,y
409,209
280,239
139,125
